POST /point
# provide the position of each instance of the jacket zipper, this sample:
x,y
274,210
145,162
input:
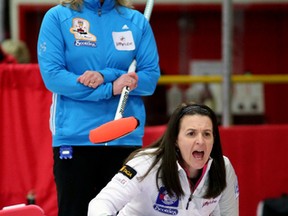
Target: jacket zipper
x,y
191,193
99,9
189,200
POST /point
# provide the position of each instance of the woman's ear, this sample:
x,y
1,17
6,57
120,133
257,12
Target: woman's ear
x,y
176,144
177,151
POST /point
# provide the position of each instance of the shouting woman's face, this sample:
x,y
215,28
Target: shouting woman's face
x,y
195,141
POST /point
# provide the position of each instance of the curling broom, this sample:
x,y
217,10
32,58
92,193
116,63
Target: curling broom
x,y
120,126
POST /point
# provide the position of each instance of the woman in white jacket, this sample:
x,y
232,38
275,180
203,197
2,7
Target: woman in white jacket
x,y
182,173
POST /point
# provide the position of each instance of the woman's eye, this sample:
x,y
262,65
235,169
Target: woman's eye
x,y
191,133
207,134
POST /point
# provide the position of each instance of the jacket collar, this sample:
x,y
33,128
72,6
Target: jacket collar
x,y
96,5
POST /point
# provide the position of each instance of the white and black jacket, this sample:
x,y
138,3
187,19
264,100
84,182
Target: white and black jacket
x,y
129,196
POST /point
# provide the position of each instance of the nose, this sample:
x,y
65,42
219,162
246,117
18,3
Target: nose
x,y
199,139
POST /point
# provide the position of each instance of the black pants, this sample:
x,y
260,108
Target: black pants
x,y
80,179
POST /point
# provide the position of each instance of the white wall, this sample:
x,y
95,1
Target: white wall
x,y
14,7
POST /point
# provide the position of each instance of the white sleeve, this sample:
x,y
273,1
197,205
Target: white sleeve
x,y
123,187
229,201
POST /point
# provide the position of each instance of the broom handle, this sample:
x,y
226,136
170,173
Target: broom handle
x,y
132,68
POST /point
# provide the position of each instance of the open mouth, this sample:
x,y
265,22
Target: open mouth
x,y
198,154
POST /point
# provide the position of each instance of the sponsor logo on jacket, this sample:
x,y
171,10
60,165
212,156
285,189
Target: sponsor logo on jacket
x,y
80,29
208,202
123,40
165,203
128,171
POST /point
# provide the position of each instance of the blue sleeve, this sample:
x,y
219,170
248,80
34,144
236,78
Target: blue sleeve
x,y
51,59
147,63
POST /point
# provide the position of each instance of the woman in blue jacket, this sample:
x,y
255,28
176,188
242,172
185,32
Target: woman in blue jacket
x,y
84,50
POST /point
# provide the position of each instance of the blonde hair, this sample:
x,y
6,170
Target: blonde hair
x,y
76,4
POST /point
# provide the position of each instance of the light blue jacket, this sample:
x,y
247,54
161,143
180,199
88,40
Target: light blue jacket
x,y
100,38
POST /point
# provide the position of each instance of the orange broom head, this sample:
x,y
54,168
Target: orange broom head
x,y
113,130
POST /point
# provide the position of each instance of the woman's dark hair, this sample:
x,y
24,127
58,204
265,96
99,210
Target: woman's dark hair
x,y
165,153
